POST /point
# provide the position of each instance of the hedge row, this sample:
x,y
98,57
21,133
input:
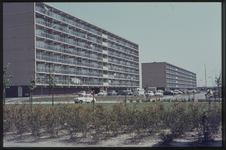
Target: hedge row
x,y
101,123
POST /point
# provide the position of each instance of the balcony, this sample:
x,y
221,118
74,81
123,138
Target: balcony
x,y
105,60
105,76
71,22
62,71
105,68
105,52
68,51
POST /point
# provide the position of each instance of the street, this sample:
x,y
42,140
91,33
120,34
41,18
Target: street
x,y
21,99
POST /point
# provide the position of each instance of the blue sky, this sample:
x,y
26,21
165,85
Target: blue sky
x,y
187,35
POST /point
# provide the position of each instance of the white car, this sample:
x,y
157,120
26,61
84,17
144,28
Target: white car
x,y
160,91
177,92
88,98
102,93
193,91
158,94
149,93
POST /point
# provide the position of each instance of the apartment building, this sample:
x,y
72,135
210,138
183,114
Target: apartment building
x,y
166,76
39,38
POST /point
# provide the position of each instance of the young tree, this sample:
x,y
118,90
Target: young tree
x,y
52,84
6,81
218,82
32,87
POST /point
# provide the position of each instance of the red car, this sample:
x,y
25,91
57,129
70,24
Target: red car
x,y
90,92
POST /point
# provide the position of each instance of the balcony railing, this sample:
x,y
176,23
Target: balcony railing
x,y
62,71
58,17
46,81
68,51
61,39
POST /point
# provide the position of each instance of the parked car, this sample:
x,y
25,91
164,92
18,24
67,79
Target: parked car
x,y
129,92
102,93
158,94
121,92
138,91
88,98
177,92
209,93
81,92
168,92
90,92
182,91
112,92
160,91
149,93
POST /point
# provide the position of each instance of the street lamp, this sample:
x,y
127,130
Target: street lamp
x,y
199,81
212,80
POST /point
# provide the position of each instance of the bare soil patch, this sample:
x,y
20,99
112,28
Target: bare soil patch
x,y
13,139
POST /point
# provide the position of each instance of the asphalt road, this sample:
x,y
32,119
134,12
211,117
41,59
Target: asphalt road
x,y
20,100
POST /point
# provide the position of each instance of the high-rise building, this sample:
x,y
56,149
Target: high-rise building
x,y
167,77
39,38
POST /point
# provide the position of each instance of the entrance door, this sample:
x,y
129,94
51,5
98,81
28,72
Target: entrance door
x,y
19,91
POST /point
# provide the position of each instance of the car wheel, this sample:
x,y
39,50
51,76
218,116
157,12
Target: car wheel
x,y
92,101
80,101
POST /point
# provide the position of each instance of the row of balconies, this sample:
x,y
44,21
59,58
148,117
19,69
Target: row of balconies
x,y
79,24
83,44
185,83
83,36
122,56
122,63
117,69
181,78
45,81
42,69
186,77
181,86
69,51
180,71
178,79
68,61
62,60
62,71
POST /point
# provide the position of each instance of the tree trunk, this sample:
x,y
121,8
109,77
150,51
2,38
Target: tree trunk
x,y
93,101
125,99
52,97
31,99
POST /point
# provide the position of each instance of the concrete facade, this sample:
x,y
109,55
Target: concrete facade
x,y
39,38
166,76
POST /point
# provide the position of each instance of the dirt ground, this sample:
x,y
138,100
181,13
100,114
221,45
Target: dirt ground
x,y
12,139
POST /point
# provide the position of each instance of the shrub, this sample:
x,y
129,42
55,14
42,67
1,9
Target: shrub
x,y
9,117
36,119
100,123
146,101
51,120
22,119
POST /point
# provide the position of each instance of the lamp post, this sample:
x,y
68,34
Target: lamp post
x,y
199,82
205,82
212,80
